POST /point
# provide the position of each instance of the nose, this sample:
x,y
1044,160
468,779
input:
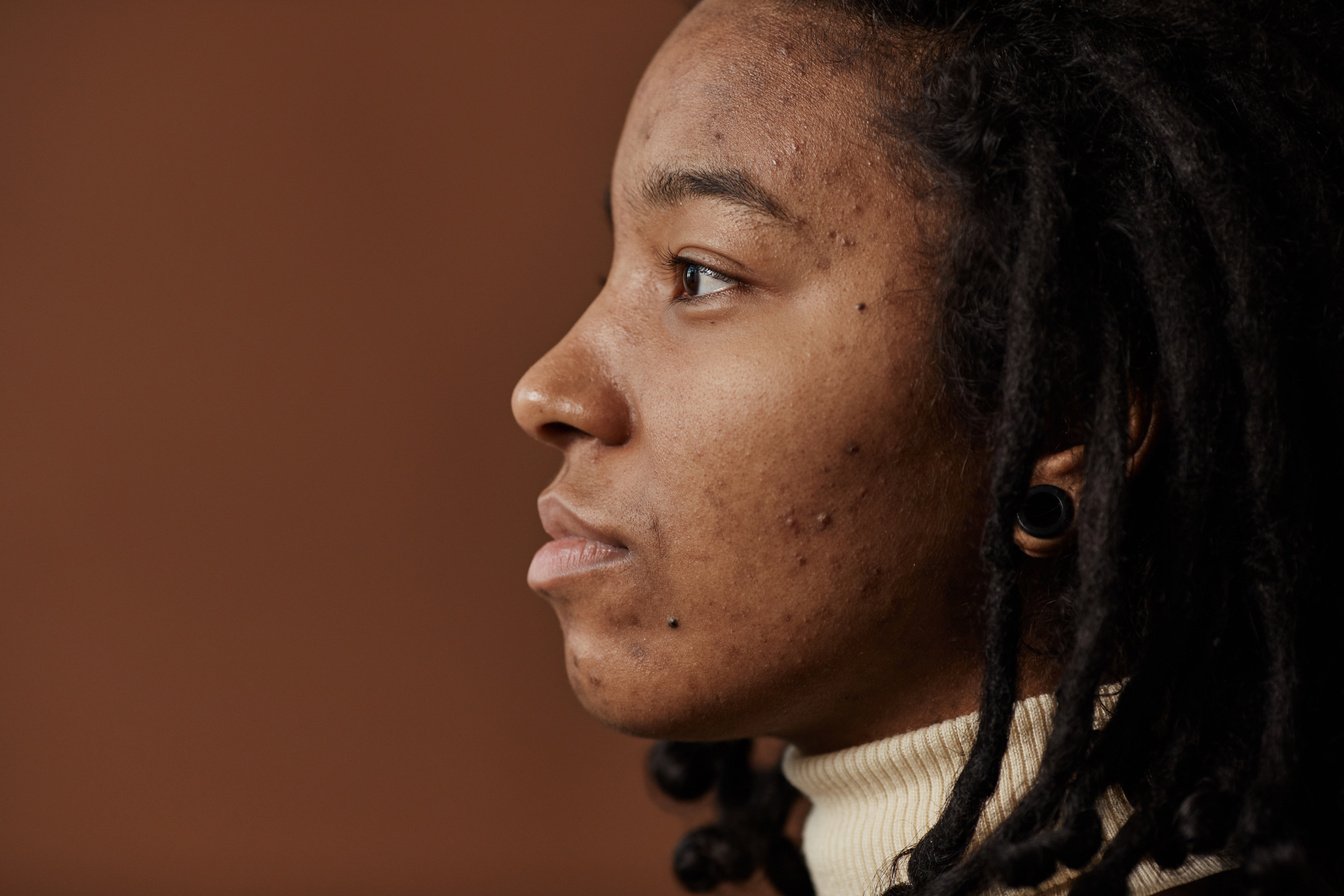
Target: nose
x,y
571,395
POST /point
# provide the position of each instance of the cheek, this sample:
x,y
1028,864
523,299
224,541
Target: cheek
x,y
759,497
782,526
786,475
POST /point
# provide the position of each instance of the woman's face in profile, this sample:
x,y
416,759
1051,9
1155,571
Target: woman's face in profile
x,y
766,520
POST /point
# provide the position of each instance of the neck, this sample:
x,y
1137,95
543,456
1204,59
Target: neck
x,y
873,802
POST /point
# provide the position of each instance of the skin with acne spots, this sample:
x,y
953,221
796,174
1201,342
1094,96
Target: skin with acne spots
x,y
711,403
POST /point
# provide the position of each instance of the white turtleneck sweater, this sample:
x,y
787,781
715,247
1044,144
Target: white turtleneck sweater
x,y
873,801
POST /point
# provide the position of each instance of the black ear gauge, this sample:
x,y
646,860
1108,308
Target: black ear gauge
x,y
1046,511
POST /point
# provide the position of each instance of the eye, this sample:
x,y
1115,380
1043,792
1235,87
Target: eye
x,y
699,281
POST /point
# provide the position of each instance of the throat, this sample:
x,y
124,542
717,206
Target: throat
x,y
873,802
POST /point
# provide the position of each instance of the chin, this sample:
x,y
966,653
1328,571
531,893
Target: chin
x,y
611,702
650,723
633,702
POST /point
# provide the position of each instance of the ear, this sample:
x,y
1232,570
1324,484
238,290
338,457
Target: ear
x,y
1145,415
1064,469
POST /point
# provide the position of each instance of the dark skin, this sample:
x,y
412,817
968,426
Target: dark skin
x,y
759,421
768,513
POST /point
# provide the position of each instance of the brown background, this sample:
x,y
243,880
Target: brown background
x,y
268,272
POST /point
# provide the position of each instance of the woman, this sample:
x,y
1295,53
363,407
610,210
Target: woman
x,y
963,408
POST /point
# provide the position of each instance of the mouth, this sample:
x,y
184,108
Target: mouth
x,y
576,547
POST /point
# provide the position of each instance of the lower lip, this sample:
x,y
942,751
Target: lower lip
x,y
568,557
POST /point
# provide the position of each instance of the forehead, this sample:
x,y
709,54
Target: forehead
x,y
748,84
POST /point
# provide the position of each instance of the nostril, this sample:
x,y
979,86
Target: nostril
x,y
558,433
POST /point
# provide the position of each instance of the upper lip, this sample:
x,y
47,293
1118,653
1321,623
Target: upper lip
x,y
561,521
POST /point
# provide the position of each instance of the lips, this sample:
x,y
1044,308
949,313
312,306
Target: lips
x,y
577,547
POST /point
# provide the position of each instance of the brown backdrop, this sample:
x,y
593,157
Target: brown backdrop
x,y
268,272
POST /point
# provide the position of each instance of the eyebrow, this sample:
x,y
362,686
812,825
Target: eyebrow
x,y
669,186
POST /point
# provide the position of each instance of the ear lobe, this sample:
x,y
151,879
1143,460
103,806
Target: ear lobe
x,y
1064,470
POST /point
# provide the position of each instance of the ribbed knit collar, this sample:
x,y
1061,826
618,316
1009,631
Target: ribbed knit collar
x,y
871,802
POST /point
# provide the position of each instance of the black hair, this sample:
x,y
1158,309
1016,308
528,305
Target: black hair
x,y
1144,201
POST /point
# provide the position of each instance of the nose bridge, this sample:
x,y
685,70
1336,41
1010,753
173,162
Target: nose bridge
x,y
572,391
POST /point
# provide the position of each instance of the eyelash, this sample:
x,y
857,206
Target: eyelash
x,y
677,266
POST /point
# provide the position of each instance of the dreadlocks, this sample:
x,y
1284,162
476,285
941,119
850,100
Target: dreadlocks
x,y
1144,201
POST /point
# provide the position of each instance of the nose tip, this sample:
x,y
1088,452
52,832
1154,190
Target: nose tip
x,y
567,396
529,406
